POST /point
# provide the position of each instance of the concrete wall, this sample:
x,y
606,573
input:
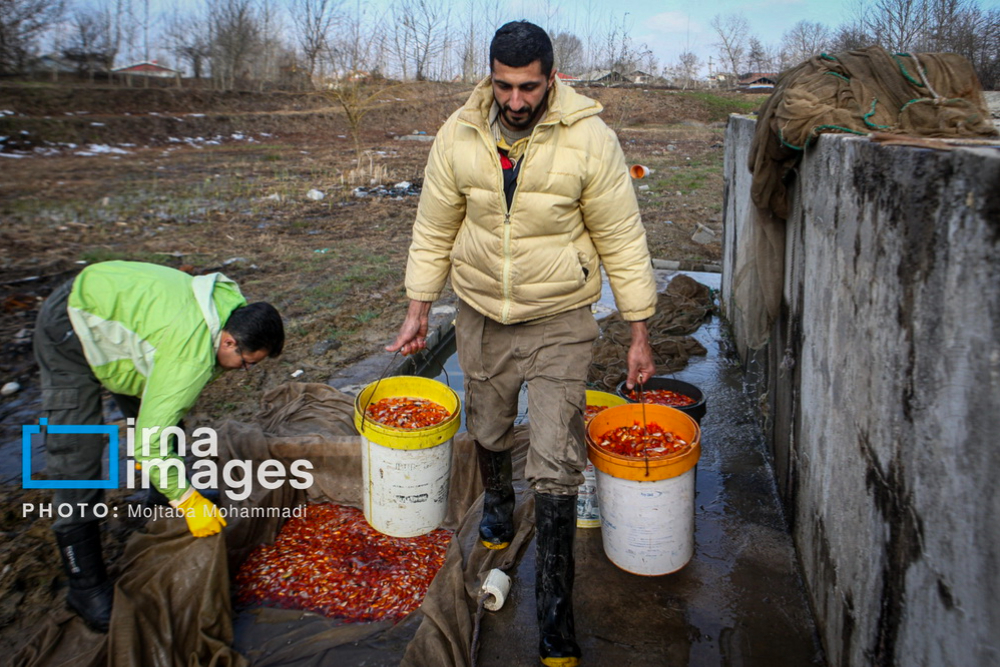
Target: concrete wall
x,y
881,393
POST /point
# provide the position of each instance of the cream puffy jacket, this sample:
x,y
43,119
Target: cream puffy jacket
x,y
574,209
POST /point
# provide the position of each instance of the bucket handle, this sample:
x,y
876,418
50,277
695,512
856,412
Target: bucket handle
x,y
364,411
645,429
428,358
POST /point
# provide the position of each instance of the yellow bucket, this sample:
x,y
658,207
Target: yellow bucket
x,y
604,398
588,511
647,506
406,472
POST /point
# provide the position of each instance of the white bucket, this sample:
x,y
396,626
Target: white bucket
x,y
406,490
647,527
647,505
406,472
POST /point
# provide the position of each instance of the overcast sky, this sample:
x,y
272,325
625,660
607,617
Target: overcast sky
x,y
669,27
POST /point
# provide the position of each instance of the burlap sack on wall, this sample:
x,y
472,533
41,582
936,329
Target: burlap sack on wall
x,y
858,92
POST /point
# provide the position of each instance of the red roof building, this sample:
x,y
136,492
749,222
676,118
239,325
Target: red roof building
x,y
147,68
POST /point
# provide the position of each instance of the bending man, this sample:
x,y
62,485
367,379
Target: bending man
x,y
154,337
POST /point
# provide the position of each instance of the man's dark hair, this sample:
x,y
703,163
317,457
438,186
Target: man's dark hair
x,y
519,43
257,326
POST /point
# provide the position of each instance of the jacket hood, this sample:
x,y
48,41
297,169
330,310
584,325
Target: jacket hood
x,y
564,105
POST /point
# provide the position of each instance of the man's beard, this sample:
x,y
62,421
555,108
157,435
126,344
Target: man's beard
x,y
529,118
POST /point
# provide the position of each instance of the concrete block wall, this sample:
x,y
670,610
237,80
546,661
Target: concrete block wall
x,y
881,393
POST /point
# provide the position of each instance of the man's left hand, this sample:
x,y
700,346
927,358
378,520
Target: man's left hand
x,y
641,366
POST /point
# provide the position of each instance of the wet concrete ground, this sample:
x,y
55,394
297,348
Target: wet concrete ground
x,y
739,601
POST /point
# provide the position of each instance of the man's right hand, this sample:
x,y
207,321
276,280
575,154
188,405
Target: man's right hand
x,y
412,335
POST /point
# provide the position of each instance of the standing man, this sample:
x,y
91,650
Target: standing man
x,y
526,194
154,337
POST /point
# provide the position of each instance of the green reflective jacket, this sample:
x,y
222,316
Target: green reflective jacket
x,y
153,332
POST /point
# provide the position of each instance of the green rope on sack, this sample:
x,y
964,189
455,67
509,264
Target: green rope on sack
x,y
781,136
827,56
838,75
872,113
904,71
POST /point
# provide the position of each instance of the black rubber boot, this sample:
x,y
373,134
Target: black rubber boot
x,y
90,593
496,529
555,531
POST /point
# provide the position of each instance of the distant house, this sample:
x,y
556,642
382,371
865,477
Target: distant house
x,y
758,80
147,68
52,63
567,78
602,77
640,77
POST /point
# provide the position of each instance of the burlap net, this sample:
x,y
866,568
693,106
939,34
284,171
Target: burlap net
x,y
866,92
680,310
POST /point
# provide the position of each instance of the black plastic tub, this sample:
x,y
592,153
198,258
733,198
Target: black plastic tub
x,y
695,411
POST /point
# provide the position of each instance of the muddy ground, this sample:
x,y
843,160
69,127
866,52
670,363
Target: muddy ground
x,y
206,181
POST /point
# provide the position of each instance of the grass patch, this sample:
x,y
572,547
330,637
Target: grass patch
x,y
720,106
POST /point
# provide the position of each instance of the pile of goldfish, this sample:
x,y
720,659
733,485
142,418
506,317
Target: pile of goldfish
x,y
330,561
592,411
662,397
405,412
638,441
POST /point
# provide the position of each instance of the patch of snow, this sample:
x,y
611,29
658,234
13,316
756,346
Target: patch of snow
x,y
98,149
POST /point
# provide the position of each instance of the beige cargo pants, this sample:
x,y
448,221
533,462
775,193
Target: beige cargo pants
x,y
552,356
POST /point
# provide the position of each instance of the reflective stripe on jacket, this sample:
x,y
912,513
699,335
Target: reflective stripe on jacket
x,y
153,332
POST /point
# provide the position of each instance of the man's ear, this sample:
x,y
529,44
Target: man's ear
x,y
226,340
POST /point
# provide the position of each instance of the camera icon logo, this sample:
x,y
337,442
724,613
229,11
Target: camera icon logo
x,y
29,430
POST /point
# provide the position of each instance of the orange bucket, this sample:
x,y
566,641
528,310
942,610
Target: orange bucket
x,y
641,469
647,505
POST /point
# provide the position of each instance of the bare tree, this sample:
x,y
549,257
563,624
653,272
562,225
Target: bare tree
x,y
190,41
896,25
86,45
568,52
421,34
961,26
804,40
688,66
849,37
263,64
619,53
314,21
732,31
21,24
759,57
235,33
